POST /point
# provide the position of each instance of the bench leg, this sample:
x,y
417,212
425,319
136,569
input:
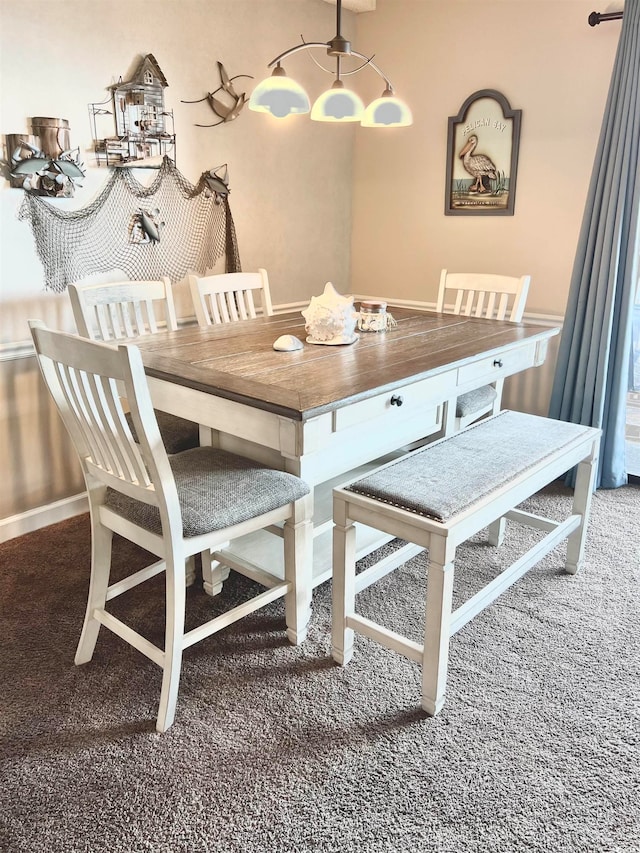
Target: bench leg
x,y
343,583
437,629
585,480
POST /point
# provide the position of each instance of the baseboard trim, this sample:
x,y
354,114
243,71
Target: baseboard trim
x,y
42,516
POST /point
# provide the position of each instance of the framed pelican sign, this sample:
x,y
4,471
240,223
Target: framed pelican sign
x,y
482,157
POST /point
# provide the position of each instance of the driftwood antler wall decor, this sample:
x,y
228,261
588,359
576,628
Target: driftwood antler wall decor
x,y
228,105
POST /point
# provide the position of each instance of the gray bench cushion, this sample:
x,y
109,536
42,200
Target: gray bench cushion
x,y
440,480
216,489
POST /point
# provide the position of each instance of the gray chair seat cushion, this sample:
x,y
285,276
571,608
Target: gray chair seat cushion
x,y
177,433
440,480
216,489
475,401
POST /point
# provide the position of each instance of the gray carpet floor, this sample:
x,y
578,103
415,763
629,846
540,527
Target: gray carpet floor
x,y
277,749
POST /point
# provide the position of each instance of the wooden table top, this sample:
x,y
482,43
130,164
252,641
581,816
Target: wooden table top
x,y
237,360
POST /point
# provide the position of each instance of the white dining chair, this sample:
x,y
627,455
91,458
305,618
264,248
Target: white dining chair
x,y
228,297
126,310
172,506
495,297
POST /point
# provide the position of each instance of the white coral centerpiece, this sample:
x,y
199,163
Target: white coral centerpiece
x,y
330,318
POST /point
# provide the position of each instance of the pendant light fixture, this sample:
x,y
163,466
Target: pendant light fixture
x,y
282,96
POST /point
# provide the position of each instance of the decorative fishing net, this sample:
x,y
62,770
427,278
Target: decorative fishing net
x,y
168,228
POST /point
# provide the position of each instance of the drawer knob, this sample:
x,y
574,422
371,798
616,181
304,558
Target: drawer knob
x,y
396,400
497,362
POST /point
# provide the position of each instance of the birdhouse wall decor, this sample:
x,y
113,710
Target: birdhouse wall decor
x,y
482,157
136,111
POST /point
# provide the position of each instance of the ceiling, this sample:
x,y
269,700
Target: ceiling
x,y
370,5
356,5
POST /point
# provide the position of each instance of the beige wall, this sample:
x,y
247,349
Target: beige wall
x,y
548,62
311,202
290,182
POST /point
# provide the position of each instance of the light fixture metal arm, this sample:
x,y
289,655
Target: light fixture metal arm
x,y
292,50
372,64
309,44
344,73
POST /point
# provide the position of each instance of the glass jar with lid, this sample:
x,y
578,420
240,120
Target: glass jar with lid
x,y
372,316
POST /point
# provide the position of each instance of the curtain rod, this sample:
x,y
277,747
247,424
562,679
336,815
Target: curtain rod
x,y
596,18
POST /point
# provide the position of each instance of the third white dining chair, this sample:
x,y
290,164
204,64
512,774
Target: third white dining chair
x,y
495,297
228,297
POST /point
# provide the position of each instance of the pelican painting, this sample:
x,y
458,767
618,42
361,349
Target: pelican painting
x,y
478,166
482,156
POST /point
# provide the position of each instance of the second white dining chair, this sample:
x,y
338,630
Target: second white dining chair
x,y
228,297
172,506
495,297
126,310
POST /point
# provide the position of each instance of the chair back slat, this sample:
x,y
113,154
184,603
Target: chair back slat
x,y
495,297
123,457
114,323
81,397
480,303
491,304
229,297
229,302
502,306
214,310
104,321
122,436
239,306
141,327
73,406
248,303
469,304
245,306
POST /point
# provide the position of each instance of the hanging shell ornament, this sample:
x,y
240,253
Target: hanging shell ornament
x,y
330,318
217,182
146,226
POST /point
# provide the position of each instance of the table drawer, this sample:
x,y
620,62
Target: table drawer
x,y
495,367
399,405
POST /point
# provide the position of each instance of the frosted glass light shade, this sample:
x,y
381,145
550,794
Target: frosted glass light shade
x,y
279,95
338,104
387,111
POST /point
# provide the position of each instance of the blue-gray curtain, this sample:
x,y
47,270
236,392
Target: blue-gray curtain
x,y
592,374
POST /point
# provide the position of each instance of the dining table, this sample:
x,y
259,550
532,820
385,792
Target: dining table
x,y
328,413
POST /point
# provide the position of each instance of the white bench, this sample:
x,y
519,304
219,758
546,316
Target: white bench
x,y
439,496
